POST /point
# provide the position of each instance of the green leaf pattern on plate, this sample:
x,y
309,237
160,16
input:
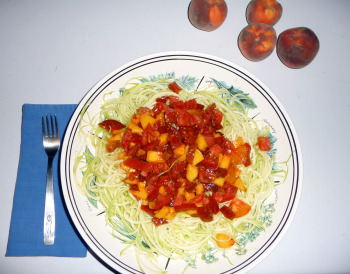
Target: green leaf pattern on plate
x,y
190,83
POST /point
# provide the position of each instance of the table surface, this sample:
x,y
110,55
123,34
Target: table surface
x,y
55,51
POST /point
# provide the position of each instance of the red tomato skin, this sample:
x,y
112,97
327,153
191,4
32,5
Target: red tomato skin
x,y
227,212
162,200
111,125
174,87
178,201
204,214
264,143
213,205
185,207
111,146
148,210
239,207
138,164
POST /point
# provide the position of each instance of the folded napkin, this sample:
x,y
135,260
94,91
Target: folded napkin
x,y
27,222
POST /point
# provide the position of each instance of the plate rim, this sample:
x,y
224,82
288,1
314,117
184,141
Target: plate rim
x,y
271,242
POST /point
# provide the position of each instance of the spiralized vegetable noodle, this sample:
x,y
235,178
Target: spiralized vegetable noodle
x,y
184,237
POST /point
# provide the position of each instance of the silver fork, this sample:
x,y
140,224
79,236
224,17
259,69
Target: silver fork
x,y
51,141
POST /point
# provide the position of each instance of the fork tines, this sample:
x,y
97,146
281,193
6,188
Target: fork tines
x,y
49,131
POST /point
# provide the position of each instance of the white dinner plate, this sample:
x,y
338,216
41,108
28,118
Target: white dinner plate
x,y
193,69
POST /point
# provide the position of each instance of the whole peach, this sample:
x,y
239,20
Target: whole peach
x,y
207,15
297,47
257,41
264,11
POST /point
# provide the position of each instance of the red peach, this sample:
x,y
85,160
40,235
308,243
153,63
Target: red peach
x,y
264,11
207,15
297,47
257,41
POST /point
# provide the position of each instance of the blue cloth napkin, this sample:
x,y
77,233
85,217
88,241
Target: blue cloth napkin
x,y
27,222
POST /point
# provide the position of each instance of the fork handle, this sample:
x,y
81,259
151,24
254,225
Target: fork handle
x,y
49,217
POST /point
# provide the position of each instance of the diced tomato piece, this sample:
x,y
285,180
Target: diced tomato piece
x,y
239,207
210,108
205,214
152,191
217,118
221,172
133,175
162,99
162,200
175,102
190,186
227,212
128,138
196,120
170,115
215,150
189,135
198,198
144,110
147,209
174,141
169,186
152,180
230,192
178,167
244,152
132,151
148,135
139,165
111,125
174,87
159,108
183,117
210,161
218,196
111,146
213,205
191,104
159,221
264,143
190,153
205,200
151,146
178,201
206,175
185,207
210,139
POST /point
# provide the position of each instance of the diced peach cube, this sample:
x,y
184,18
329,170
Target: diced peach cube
x,y
135,128
189,196
154,156
163,139
191,172
224,162
239,184
224,241
199,189
180,150
198,157
163,212
201,142
238,142
219,181
160,118
146,119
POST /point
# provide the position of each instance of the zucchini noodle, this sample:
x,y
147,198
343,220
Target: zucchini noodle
x,y
184,237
